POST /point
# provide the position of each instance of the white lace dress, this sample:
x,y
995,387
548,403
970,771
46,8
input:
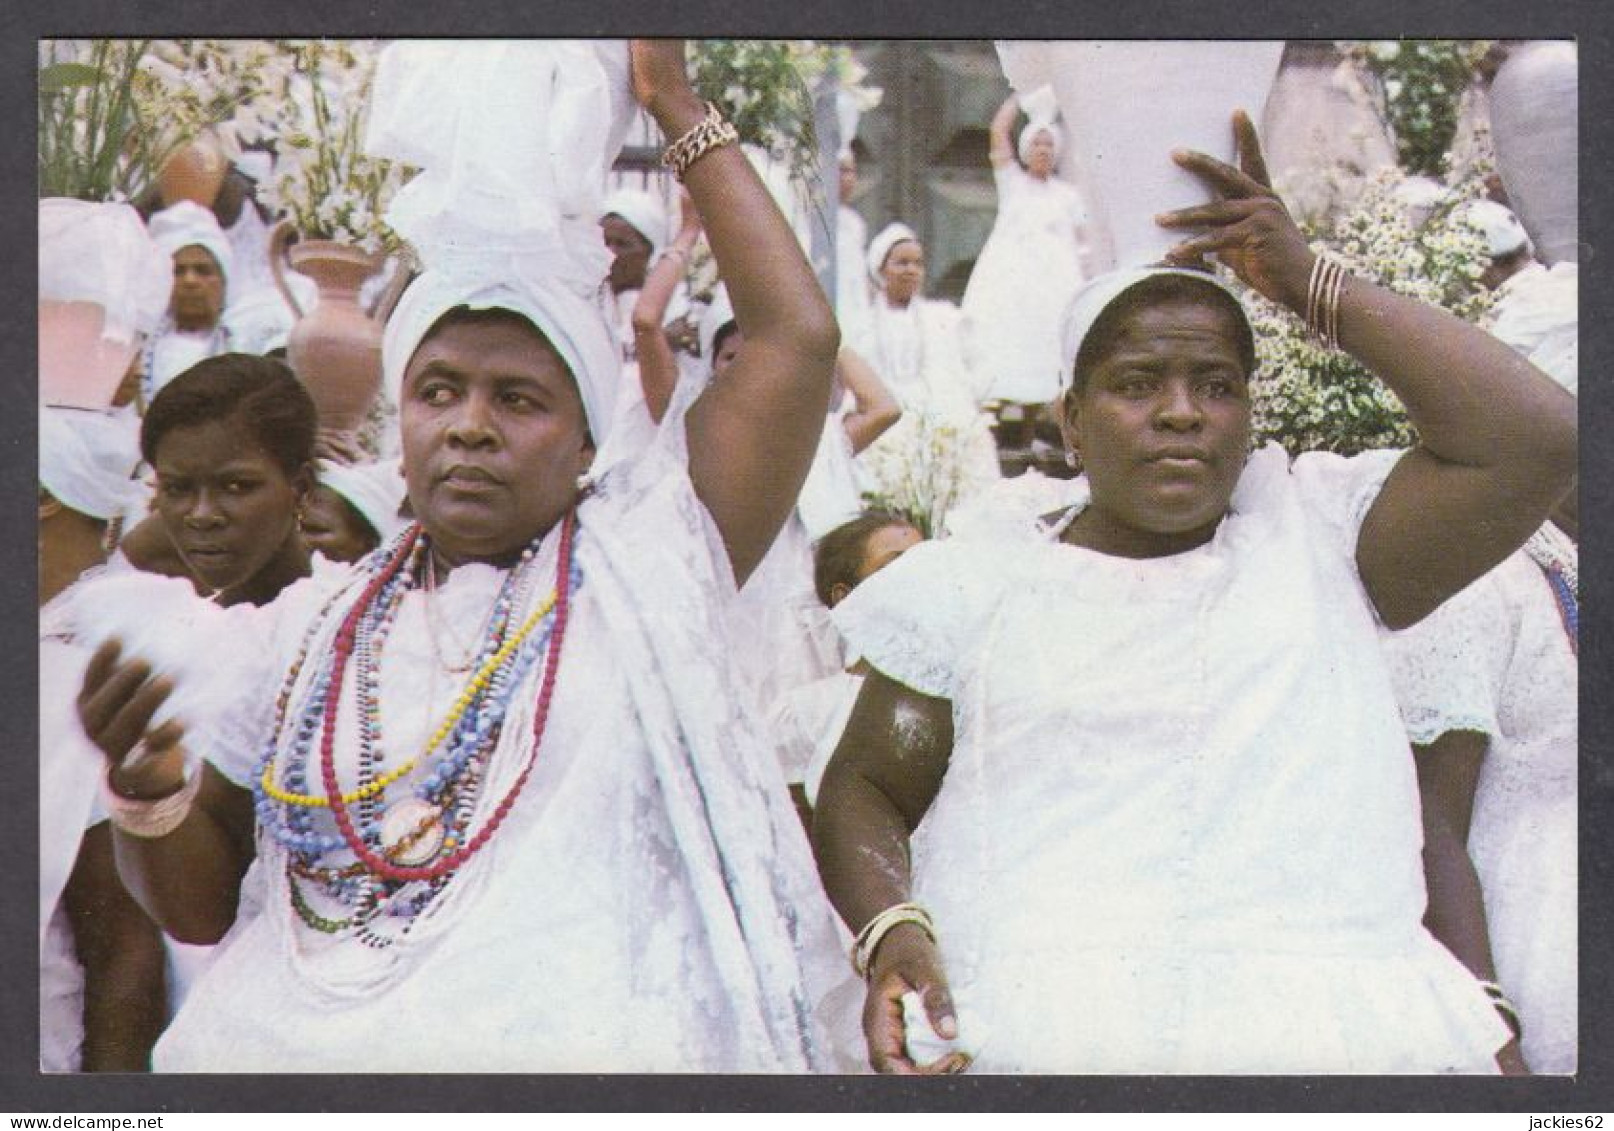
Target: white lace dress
x,y
69,770
1180,830
1496,660
648,904
1021,284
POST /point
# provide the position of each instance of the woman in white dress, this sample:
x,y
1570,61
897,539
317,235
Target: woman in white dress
x,y
1146,758
1488,690
1030,267
942,447
544,844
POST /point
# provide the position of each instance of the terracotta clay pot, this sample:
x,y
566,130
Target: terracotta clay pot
x,y
195,171
335,349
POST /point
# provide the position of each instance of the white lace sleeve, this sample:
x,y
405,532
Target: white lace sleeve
x,y
1338,491
1449,668
920,619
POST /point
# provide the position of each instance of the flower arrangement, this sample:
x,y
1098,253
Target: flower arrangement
x,y
923,468
111,111
327,185
1423,81
1309,398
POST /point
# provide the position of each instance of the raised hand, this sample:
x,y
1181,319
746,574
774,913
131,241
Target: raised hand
x,y
659,74
1250,230
115,706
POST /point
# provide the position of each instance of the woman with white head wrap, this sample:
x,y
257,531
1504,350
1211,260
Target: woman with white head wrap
x,y
353,509
913,344
507,782
1139,764
1032,261
194,328
101,1000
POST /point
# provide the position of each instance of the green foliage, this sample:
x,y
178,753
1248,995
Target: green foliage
x,y
93,143
1310,399
1423,82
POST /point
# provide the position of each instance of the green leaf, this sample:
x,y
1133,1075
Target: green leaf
x,y
59,77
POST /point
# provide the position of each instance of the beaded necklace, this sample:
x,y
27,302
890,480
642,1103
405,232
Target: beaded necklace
x,y
1555,555
420,841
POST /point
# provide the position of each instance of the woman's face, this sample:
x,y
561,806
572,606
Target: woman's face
x,y
198,296
1041,154
904,271
630,253
224,501
332,527
494,438
848,177
1163,428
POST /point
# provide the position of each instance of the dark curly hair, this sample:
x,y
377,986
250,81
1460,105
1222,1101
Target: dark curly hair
x,y
838,555
261,392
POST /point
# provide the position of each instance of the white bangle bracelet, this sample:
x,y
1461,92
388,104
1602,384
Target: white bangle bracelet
x,y
876,929
154,818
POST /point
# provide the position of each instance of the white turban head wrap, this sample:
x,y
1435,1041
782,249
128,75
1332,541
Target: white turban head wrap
x,y
1041,107
188,224
375,490
102,254
513,139
1099,293
1498,226
87,459
880,248
1029,133
643,212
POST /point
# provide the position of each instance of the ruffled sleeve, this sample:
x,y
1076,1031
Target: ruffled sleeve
x,y
1338,491
921,619
1449,668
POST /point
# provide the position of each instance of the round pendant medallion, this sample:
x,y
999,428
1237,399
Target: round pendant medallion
x,y
411,832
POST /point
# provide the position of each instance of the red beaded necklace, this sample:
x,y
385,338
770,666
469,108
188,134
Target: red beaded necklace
x,y
345,637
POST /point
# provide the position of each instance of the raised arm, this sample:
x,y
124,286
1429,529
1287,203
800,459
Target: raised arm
x,y
189,880
752,435
1497,437
1000,147
883,777
874,409
658,364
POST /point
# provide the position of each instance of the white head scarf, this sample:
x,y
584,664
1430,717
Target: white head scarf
x,y
880,247
1041,107
188,224
102,253
643,212
87,459
1031,130
375,490
1500,228
1095,297
513,139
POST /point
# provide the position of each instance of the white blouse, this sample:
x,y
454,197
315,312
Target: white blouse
x,y
1179,831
